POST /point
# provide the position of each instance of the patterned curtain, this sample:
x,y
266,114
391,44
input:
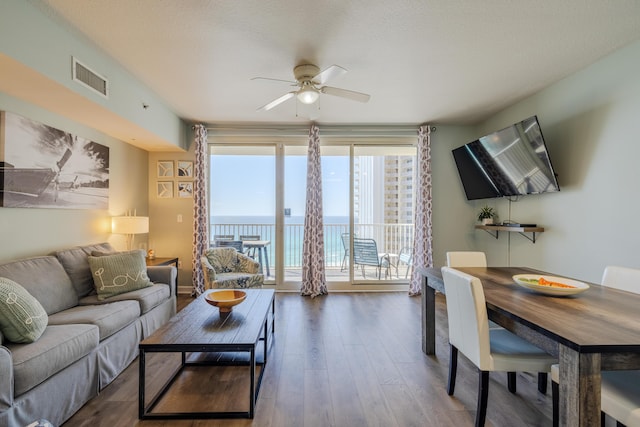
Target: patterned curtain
x,y
200,211
313,274
423,237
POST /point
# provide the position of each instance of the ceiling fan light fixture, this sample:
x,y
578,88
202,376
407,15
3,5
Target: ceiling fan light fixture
x,y
310,83
308,95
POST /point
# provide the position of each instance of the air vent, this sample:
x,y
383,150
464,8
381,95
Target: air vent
x,y
90,79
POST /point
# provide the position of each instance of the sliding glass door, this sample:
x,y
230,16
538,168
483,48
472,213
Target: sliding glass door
x,y
243,201
295,181
259,192
383,211
335,201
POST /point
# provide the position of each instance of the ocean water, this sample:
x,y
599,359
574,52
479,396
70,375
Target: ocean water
x,y
272,220
264,226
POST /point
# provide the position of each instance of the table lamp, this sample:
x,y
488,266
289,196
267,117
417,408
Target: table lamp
x,y
130,225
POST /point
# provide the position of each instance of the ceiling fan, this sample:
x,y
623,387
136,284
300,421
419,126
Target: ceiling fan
x,y
311,83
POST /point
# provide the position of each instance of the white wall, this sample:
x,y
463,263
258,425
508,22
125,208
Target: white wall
x,y
591,123
453,216
46,44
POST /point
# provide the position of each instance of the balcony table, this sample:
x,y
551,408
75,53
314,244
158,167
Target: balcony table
x,y
261,246
592,331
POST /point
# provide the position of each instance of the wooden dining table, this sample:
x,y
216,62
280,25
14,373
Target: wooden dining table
x,y
598,329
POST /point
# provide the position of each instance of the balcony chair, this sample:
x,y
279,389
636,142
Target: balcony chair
x,y
619,390
250,251
219,237
405,257
488,349
223,237
365,252
236,244
345,244
227,268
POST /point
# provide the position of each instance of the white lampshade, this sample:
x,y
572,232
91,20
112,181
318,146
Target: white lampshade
x,y
308,95
130,224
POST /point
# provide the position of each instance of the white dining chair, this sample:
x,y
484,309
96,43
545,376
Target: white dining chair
x,y
479,259
619,390
466,259
488,349
469,259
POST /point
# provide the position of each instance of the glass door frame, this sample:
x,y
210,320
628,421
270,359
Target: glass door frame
x,y
354,280
353,283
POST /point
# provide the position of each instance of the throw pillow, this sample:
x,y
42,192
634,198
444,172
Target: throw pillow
x,y
119,273
22,317
103,253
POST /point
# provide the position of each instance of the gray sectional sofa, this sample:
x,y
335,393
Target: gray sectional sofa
x,y
87,341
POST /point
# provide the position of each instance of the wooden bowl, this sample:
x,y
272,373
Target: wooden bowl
x,y
225,299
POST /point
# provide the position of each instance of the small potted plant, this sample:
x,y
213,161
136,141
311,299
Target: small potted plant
x,y
486,215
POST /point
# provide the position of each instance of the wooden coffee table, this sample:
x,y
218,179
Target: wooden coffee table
x,y
201,328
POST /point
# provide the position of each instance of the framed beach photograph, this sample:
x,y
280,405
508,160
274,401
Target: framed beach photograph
x,y
165,190
45,167
185,189
185,169
165,169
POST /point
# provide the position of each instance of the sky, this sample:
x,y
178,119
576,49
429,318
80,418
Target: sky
x,y
245,185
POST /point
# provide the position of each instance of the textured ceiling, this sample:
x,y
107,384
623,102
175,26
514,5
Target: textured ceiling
x,y
438,61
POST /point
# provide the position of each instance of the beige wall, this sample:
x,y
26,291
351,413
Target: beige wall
x,y
167,236
31,232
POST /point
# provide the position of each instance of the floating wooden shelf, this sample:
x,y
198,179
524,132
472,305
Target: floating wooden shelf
x,y
491,229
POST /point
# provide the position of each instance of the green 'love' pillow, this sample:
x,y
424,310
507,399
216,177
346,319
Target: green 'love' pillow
x,y
119,273
22,317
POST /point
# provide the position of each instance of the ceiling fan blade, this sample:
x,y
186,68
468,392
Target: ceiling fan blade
x,y
277,101
275,80
329,73
344,93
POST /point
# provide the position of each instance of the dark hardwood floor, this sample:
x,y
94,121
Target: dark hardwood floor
x,y
345,360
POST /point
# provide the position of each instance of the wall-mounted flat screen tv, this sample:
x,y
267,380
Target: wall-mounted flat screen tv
x,y
513,161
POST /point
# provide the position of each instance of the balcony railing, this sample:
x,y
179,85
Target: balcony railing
x,y
390,238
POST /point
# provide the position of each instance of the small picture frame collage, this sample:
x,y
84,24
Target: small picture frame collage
x,y
175,177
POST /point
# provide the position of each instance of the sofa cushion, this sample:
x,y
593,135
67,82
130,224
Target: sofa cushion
x,y
45,279
148,298
109,318
119,273
166,274
57,348
76,264
22,318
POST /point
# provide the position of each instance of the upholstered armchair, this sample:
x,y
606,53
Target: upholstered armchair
x,y
225,267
